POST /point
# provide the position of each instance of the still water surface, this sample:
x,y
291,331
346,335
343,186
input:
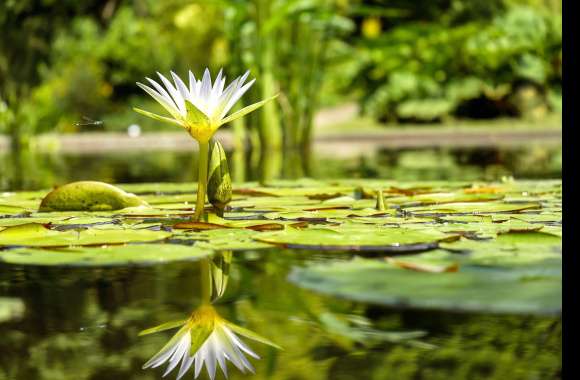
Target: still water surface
x,y
84,323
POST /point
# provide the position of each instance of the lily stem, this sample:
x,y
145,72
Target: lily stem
x,y
202,180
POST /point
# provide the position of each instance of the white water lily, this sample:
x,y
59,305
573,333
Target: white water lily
x,y
205,339
200,107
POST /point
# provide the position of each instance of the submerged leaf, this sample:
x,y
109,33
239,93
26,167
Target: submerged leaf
x,y
476,289
453,267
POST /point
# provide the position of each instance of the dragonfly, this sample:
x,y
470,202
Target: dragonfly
x,y
88,121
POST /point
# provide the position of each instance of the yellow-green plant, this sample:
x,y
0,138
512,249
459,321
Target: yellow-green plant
x,y
201,108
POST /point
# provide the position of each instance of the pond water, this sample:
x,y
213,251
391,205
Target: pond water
x,y
29,170
84,323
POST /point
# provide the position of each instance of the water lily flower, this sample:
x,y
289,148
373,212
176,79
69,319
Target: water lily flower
x,y
201,108
205,338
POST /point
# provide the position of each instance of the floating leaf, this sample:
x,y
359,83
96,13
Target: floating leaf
x,y
472,208
472,288
37,235
355,239
90,196
133,254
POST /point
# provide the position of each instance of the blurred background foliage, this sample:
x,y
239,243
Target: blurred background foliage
x,y
479,59
419,61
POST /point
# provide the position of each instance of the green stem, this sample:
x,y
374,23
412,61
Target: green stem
x,y
201,180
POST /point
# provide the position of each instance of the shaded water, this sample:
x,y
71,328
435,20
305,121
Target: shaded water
x,y
84,323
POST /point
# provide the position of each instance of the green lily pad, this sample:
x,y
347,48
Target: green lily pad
x,y
472,288
224,239
472,208
355,239
37,235
443,198
89,196
133,254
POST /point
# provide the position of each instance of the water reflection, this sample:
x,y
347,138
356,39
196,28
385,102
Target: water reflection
x,y
83,324
31,170
205,338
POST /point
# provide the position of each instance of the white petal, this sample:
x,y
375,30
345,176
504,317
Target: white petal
x,y
217,82
210,360
185,365
182,349
205,85
238,342
160,358
221,359
199,357
236,97
179,101
230,351
162,92
218,111
180,86
244,77
168,105
192,83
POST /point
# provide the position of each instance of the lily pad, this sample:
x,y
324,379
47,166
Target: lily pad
x,y
472,208
38,235
223,239
90,196
355,239
472,288
133,254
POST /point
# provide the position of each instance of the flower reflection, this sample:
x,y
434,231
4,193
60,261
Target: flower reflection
x,y
205,338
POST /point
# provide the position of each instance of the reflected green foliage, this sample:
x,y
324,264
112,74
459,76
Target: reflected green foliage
x,y
448,163
10,308
85,325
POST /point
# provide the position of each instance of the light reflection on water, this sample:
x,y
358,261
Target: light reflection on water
x,y
84,324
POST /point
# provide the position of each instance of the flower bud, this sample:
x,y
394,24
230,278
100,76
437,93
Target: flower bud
x,y
219,186
380,205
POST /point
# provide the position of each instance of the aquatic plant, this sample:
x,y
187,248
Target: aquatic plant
x,y
200,108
